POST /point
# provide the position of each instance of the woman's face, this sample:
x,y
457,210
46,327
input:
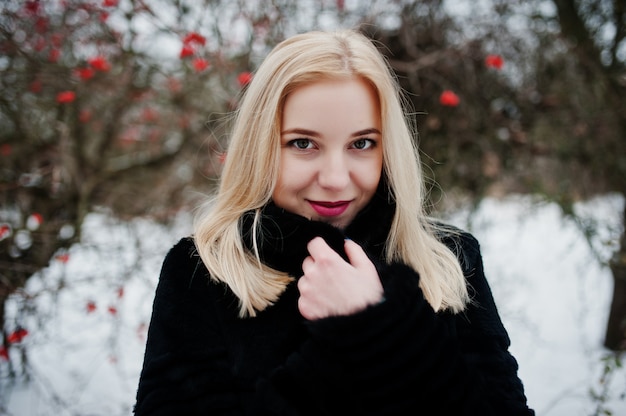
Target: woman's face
x,y
331,151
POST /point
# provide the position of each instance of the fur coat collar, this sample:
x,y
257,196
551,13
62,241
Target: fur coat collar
x,y
284,235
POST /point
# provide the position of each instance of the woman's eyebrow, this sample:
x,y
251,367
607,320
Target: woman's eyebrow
x,y
304,132
365,132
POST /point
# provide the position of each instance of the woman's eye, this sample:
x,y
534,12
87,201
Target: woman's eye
x,y
302,144
363,144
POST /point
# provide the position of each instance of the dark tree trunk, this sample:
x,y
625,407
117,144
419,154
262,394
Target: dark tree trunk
x,y
615,338
573,28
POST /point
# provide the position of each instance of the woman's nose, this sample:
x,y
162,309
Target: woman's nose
x,y
334,172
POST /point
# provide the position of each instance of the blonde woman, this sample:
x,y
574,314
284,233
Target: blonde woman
x,y
315,284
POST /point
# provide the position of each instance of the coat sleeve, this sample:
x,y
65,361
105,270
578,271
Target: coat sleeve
x,y
185,369
484,342
401,355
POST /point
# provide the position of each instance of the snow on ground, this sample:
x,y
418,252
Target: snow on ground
x,y
85,342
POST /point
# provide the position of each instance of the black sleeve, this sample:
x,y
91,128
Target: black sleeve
x,y
185,369
401,356
484,341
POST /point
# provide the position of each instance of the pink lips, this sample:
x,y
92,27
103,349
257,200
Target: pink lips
x,y
330,209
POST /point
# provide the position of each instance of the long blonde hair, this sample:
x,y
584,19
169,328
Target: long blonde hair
x,y
251,169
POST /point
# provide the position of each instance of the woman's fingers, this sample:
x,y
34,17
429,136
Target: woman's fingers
x,y
331,286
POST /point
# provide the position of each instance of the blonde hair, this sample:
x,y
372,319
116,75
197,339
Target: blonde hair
x,y
251,170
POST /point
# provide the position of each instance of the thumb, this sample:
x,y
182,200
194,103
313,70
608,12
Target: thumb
x,y
356,255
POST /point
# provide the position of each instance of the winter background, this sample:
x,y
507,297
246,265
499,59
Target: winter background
x,y
87,313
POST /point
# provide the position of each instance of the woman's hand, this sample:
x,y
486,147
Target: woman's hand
x,y
331,286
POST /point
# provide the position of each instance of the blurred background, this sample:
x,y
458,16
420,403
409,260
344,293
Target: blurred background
x,y
114,118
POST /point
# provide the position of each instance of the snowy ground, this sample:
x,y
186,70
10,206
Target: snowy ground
x,y
85,342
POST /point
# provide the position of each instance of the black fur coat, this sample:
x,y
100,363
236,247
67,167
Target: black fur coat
x,y
395,358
